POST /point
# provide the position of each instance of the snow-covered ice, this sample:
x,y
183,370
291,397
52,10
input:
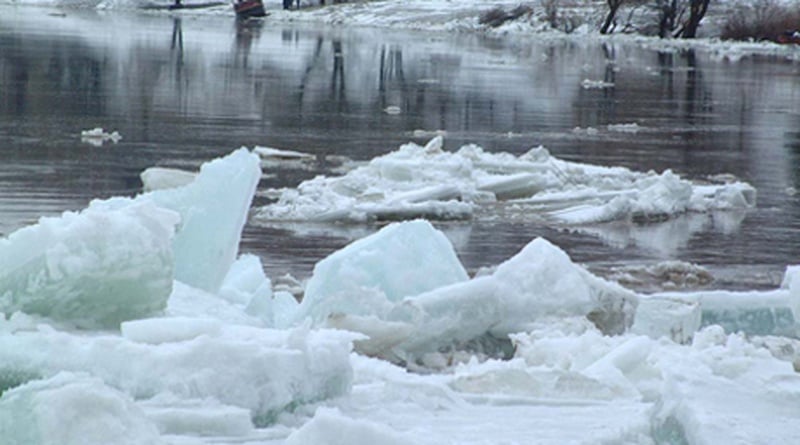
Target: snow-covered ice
x,y
428,181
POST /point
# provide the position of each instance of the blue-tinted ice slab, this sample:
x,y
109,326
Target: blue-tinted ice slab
x,y
73,409
775,312
213,210
368,276
109,263
674,318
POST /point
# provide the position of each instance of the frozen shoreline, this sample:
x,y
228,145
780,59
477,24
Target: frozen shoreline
x,y
446,16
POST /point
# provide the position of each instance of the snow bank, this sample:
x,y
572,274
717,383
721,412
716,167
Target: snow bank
x,y
262,371
72,409
429,182
108,263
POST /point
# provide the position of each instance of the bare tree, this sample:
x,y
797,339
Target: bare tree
x,y
613,7
697,10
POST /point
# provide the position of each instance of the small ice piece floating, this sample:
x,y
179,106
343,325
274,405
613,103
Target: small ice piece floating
x,y
97,136
431,183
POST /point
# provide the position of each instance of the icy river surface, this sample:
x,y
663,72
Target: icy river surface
x,y
181,90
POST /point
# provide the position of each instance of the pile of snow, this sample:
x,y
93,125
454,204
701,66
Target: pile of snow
x,y
429,182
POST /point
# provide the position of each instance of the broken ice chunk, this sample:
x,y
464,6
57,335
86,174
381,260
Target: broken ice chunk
x,y
369,275
73,409
213,210
109,263
538,282
772,312
674,318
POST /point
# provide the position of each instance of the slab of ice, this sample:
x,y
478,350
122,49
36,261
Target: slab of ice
x,y
158,178
371,274
262,371
109,263
427,181
674,318
72,409
753,312
172,329
213,209
200,417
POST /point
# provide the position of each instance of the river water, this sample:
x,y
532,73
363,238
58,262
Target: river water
x,y
184,89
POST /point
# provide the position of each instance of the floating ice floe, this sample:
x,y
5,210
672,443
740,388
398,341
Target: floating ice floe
x,y
417,181
588,84
97,136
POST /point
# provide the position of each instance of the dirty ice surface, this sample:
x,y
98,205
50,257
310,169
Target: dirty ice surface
x,y
137,321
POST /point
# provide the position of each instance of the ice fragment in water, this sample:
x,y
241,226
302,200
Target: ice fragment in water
x,y
109,263
158,178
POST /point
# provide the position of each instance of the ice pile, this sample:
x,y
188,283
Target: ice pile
x,y
417,181
184,345
405,289
191,344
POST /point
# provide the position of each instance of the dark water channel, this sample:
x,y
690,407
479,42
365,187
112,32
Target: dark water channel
x,y
182,90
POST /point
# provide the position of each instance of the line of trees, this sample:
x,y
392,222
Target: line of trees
x,y
676,18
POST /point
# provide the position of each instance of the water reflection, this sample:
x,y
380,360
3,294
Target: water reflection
x,y
184,91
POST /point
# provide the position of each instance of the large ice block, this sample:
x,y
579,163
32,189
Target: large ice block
x,y
72,409
213,210
674,318
109,263
371,274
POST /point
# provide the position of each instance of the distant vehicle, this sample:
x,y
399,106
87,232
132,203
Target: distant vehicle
x,y
789,37
249,8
